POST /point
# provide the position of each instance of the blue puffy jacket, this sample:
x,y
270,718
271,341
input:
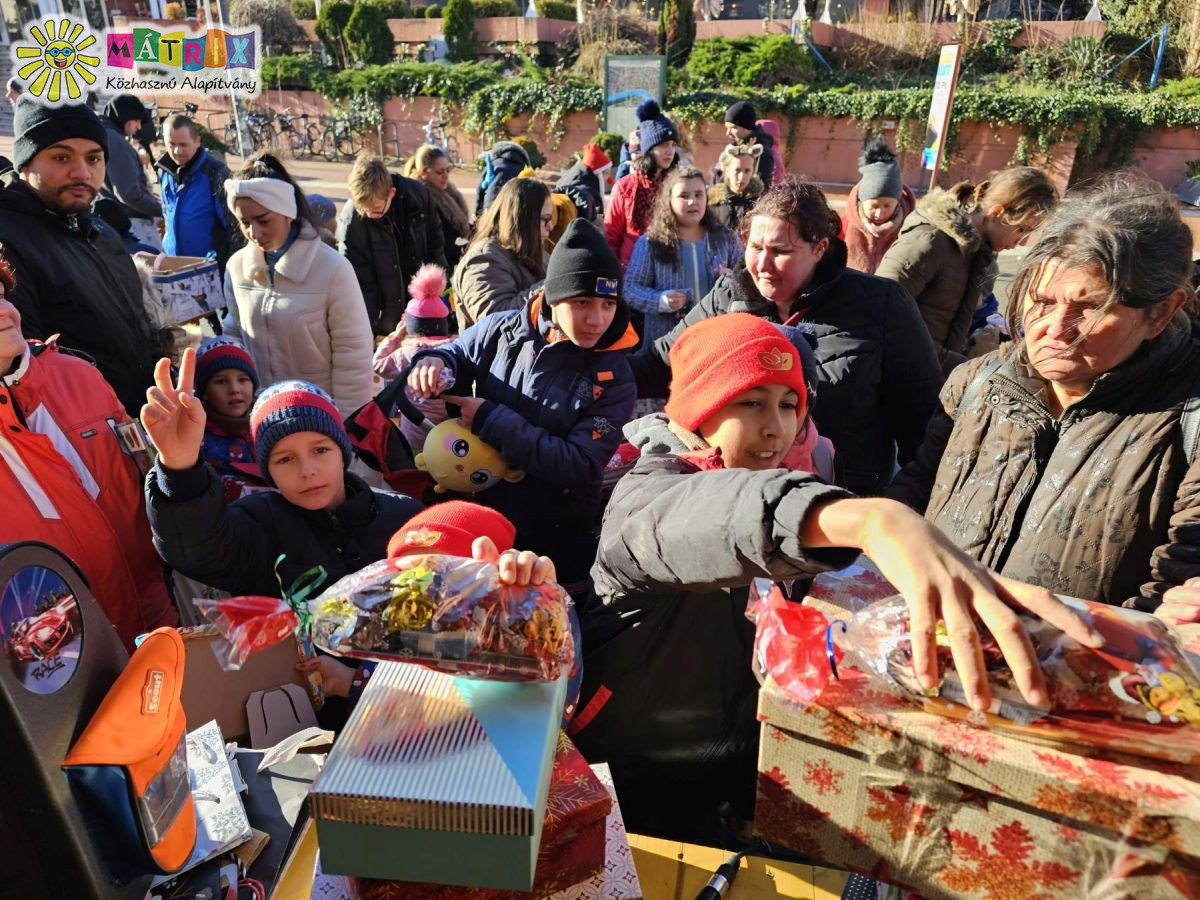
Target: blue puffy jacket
x,y
554,410
193,203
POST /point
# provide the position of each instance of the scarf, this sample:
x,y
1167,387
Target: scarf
x,y
645,192
453,207
273,256
235,426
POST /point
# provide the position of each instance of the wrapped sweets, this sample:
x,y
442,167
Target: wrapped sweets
x,y
449,613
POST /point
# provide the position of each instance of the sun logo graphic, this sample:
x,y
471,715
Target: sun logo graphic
x,y
53,68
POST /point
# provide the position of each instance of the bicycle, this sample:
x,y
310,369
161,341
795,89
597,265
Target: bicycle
x,y
299,143
342,137
448,143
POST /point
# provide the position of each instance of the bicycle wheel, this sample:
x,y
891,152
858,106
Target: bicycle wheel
x,y
329,144
314,134
348,145
297,144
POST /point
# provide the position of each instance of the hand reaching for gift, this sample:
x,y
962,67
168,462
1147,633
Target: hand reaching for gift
x,y
173,416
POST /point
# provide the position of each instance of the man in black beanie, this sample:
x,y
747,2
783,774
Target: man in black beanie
x,y
74,278
125,180
741,127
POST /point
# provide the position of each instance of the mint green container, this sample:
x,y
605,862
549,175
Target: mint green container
x,y
440,779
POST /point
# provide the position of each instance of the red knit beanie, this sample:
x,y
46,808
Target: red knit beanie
x,y
595,158
718,358
451,528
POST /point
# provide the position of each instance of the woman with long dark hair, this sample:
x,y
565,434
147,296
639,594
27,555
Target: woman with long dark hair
x,y
633,196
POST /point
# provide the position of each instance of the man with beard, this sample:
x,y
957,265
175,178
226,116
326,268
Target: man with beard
x,y
74,278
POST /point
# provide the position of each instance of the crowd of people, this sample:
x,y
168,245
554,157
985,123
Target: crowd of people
x,y
700,378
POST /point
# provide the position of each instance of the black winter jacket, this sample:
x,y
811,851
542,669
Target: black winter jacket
x,y
233,546
75,279
878,373
580,176
386,252
507,158
669,695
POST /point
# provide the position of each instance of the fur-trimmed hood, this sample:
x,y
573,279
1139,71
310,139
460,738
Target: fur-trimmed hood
x,y
720,193
940,210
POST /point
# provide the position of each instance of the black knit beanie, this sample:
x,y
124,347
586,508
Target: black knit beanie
x,y
582,265
742,115
37,126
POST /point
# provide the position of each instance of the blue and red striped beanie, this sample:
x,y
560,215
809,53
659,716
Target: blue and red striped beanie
x,y
290,407
220,353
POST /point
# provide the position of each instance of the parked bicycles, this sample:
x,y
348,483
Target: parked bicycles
x,y
341,135
286,131
436,134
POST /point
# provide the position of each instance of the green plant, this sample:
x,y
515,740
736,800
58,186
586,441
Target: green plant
x,y
536,158
606,30
392,9
995,52
556,9
304,9
433,11
210,141
458,28
676,31
368,37
750,61
495,9
1186,90
293,73
610,142
331,27
1193,168
1083,59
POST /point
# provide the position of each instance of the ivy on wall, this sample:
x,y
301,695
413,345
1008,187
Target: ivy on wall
x,y
1104,120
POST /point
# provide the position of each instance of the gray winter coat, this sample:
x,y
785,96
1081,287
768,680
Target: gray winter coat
x,y
125,178
669,695
1098,504
943,262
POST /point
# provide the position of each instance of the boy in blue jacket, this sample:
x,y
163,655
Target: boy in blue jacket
x,y
552,390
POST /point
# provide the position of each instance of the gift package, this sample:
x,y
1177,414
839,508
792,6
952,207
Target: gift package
x,y
863,779
189,286
454,770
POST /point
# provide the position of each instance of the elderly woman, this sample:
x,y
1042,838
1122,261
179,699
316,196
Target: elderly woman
x,y
878,373
1061,459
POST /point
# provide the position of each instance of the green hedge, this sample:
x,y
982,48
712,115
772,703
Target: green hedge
x,y
494,9
750,61
556,9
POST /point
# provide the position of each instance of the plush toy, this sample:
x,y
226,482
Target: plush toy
x,y
460,461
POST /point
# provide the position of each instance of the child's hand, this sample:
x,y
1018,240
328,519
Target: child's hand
x,y
674,300
335,676
1181,604
517,567
393,340
172,415
425,377
468,406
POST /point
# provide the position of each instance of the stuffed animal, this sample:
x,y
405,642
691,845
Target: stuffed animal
x,y
460,461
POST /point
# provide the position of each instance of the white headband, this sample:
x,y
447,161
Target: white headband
x,y
272,193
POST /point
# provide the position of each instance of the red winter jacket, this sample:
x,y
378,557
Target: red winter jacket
x,y
65,480
620,229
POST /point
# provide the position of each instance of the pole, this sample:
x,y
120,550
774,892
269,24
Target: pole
x,y
233,101
1162,46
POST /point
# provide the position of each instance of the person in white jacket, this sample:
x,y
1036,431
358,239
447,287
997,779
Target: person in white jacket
x,y
294,302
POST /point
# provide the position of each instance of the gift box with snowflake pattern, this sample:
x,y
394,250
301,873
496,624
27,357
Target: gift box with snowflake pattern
x,y
863,780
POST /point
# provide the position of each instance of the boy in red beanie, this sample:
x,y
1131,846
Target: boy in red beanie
x,y
669,696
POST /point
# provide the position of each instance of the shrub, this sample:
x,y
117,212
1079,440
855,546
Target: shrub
x,y
606,30
1186,90
176,12
495,9
536,158
392,9
331,26
433,11
556,9
368,37
292,73
676,31
610,142
279,28
304,9
458,28
750,61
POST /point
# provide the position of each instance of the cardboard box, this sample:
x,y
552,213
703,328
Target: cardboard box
x,y
864,780
209,692
190,288
452,770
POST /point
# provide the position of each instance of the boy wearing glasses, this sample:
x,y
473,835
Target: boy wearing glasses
x,y
552,390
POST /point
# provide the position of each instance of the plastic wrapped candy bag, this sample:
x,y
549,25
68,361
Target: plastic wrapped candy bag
x,y
449,613
246,624
1139,693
